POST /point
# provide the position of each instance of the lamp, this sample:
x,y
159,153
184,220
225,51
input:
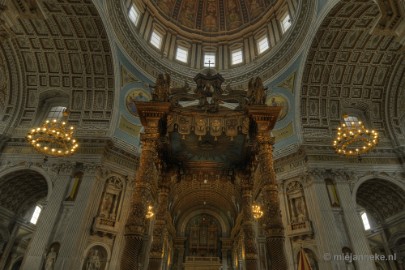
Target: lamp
x,y
257,211
149,213
353,139
53,138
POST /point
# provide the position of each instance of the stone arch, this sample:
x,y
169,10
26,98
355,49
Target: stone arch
x,y
27,166
397,244
186,218
26,185
4,237
366,178
381,198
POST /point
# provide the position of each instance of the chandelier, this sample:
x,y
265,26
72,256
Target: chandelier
x,y
353,139
149,213
53,138
257,211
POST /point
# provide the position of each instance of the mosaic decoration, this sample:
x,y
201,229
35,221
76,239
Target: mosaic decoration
x,y
278,100
135,95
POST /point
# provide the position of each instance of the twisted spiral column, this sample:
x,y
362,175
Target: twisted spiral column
x,y
160,228
272,221
249,240
135,228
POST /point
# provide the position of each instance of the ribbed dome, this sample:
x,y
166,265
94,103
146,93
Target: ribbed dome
x,y
215,16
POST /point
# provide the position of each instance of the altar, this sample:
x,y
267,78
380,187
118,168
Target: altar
x,y
202,263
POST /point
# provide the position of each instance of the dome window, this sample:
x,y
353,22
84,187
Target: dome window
x,y
133,15
263,44
156,39
182,54
285,22
237,57
209,59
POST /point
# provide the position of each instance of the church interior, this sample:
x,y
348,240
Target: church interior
x,y
202,134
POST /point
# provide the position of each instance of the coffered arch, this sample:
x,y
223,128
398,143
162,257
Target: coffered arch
x,y
67,51
348,67
381,198
211,196
21,189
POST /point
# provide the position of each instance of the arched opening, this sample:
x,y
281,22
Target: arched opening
x,y
22,193
381,205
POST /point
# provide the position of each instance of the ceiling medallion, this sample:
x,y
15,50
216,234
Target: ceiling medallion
x,y
353,139
257,211
53,138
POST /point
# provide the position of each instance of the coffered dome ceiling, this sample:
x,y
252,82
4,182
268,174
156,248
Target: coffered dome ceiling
x,y
349,69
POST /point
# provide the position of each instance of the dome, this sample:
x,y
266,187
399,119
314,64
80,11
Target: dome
x,y
216,17
238,38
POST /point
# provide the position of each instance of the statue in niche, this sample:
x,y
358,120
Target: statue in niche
x,y
256,92
106,205
162,88
93,261
349,262
300,208
296,201
50,259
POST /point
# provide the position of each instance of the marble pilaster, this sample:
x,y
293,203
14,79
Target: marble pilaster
x,y
40,241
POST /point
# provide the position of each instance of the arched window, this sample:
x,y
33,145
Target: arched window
x,y
51,105
365,220
35,215
56,112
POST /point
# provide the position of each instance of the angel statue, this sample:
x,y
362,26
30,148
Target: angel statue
x,y
162,88
256,92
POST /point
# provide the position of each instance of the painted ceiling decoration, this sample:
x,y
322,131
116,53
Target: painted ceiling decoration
x,y
158,15
215,16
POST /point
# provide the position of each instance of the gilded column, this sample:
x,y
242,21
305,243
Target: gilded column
x,y
135,228
249,240
273,224
263,120
152,115
160,226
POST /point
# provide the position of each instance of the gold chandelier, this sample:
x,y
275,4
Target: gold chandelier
x,y
149,213
353,139
257,211
53,138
